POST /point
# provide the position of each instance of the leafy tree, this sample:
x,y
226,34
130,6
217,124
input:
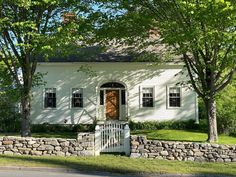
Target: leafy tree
x,y
30,30
9,97
201,31
226,109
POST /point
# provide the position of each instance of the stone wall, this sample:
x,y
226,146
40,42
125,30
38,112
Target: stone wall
x,y
82,146
182,151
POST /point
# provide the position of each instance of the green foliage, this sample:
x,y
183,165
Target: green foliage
x,y
9,96
233,134
9,113
226,109
177,125
202,32
197,30
58,128
32,31
9,119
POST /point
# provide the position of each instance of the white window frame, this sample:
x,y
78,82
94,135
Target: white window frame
x,y
168,97
44,96
141,96
81,90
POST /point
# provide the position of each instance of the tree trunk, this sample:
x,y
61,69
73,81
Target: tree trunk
x,y
211,117
25,120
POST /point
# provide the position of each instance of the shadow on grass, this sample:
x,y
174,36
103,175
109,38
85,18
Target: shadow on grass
x,y
89,168
79,166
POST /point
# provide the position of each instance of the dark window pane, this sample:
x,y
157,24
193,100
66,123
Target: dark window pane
x,y
147,102
77,102
123,98
101,97
174,102
174,97
147,97
77,98
77,95
50,99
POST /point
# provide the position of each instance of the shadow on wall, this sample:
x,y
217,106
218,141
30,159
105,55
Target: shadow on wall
x,y
161,101
131,75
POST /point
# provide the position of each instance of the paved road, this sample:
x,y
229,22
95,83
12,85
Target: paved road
x,y
35,173
23,173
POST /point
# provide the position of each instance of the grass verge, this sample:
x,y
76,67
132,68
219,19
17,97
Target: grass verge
x,y
182,135
120,164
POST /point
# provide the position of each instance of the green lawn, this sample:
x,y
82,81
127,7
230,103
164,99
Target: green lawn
x,y
119,164
181,135
168,135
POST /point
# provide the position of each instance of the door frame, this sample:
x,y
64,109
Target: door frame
x,y
123,108
104,100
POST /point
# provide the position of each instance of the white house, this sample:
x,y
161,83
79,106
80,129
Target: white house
x,y
119,90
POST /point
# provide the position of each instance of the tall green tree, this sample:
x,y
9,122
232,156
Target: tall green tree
x,y
33,29
201,31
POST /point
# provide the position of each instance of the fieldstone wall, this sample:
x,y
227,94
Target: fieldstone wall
x,y
182,151
82,146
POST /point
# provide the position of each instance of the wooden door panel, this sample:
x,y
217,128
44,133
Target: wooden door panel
x,y
112,104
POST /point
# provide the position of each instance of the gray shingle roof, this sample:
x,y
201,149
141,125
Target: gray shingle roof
x,y
90,54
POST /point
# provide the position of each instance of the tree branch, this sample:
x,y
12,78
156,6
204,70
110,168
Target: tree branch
x,y
6,33
225,81
185,56
223,62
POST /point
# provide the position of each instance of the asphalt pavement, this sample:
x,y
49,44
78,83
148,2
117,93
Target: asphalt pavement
x,y
57,172
22,173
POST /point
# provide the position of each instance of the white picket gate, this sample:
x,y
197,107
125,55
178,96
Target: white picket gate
x,y
112,136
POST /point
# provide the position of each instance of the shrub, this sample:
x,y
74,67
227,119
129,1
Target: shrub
x,y
226,110
58,128
9,120
178,125
233,134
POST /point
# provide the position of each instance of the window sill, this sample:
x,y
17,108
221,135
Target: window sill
x,y
141,107
77,108
50,108
174,107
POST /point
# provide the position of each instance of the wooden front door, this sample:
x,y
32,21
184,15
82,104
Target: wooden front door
x,y
112,104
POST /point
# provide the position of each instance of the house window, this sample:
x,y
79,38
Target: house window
x,y
147,97
50,98
101,97
77,98
174,97
123,97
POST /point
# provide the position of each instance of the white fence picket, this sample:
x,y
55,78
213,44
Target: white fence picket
x,y
113,137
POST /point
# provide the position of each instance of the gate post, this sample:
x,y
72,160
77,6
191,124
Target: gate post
x,y
127,140
97,140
